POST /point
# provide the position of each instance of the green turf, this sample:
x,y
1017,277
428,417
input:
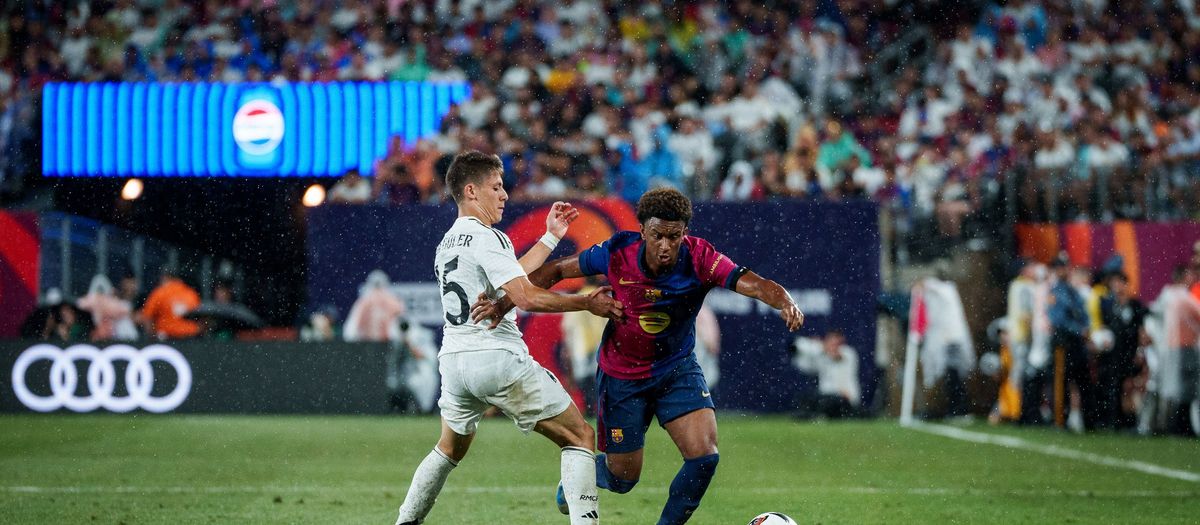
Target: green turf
x,y
174,469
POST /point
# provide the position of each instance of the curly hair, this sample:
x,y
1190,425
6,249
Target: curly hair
x,y
666,204
470,167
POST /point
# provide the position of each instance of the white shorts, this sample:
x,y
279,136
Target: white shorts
x,y
514,383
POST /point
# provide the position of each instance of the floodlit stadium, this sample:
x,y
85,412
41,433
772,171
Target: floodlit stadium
x,y
518,261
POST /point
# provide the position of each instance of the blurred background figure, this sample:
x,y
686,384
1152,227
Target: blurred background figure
x,y
1179,363
1123,315
582,332
162,317
1071,329
375,312
947,354
1019,328
223,317
412,376
836,366
352,188
322,326
56,319
111,315
708,346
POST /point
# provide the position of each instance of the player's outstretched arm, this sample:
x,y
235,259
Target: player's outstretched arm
x,y
755,286
560,217
534,299
544,277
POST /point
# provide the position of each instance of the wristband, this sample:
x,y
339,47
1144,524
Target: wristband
x,y
549,240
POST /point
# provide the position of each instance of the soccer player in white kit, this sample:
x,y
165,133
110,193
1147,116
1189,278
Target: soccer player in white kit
x,y
481,367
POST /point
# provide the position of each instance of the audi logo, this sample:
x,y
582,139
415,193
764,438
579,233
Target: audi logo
x,y
101,378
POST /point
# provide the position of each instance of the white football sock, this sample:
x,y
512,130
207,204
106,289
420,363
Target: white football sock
x,y
426,484
579,485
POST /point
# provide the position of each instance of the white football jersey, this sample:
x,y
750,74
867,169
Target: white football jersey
x,y
473,259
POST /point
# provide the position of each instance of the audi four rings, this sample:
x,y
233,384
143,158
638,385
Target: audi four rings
x,y
101,378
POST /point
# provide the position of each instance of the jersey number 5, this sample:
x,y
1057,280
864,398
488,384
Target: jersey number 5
x,y
456,289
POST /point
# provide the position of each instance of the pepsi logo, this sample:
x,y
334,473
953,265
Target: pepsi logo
x,y
258,127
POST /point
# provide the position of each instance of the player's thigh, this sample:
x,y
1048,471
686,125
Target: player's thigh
x,y
461,410
695,433
532,394
624,412
685,409
684,406
568,429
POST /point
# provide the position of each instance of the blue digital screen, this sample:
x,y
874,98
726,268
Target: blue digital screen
x,y
234,130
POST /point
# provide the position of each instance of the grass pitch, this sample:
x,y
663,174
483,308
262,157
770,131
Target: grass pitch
x,y
262,469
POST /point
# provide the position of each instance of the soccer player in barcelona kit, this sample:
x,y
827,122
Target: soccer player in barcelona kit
x,y
482,367
647,367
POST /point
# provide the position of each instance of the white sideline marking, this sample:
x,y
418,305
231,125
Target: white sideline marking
x,y
1052,450
535,490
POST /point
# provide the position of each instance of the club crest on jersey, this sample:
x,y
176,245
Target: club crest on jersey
x,y
618,435
654,322
654,295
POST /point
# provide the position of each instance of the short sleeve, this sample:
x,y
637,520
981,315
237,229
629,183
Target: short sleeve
x,y
714,268
594,260
498,260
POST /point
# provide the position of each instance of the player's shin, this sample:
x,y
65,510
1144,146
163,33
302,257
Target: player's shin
x,y
579,485
689,486
426,484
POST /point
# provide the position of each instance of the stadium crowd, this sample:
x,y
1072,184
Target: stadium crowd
x,y
1092,101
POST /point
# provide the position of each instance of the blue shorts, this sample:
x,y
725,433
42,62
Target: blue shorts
x,y
625,407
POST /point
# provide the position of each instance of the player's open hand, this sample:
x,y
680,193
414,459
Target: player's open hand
x,y
602,304
561,215
792,316
486,309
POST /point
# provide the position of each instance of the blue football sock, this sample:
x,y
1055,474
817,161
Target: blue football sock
x,y
689,486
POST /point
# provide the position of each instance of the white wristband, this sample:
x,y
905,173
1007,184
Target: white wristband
x,y
549,240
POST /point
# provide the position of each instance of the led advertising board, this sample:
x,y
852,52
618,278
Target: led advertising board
x,y
233,130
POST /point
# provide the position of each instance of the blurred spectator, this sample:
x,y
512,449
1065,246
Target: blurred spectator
x,y
111,315
836,366
412,376
1124,315
322,327
352,188
1180,363
1070,335
129,289
708,346
56,319
582,334
741,184
162,315
938,324
375,312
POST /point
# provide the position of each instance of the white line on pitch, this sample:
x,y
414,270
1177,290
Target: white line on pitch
x,y
1052,450
539,489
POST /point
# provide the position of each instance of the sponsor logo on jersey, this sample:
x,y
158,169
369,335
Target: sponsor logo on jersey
x,y
624,282
654,322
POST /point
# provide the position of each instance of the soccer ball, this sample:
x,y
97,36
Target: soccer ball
x,y
771,518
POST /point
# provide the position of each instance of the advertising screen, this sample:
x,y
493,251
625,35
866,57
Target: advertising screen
x,y
234,130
